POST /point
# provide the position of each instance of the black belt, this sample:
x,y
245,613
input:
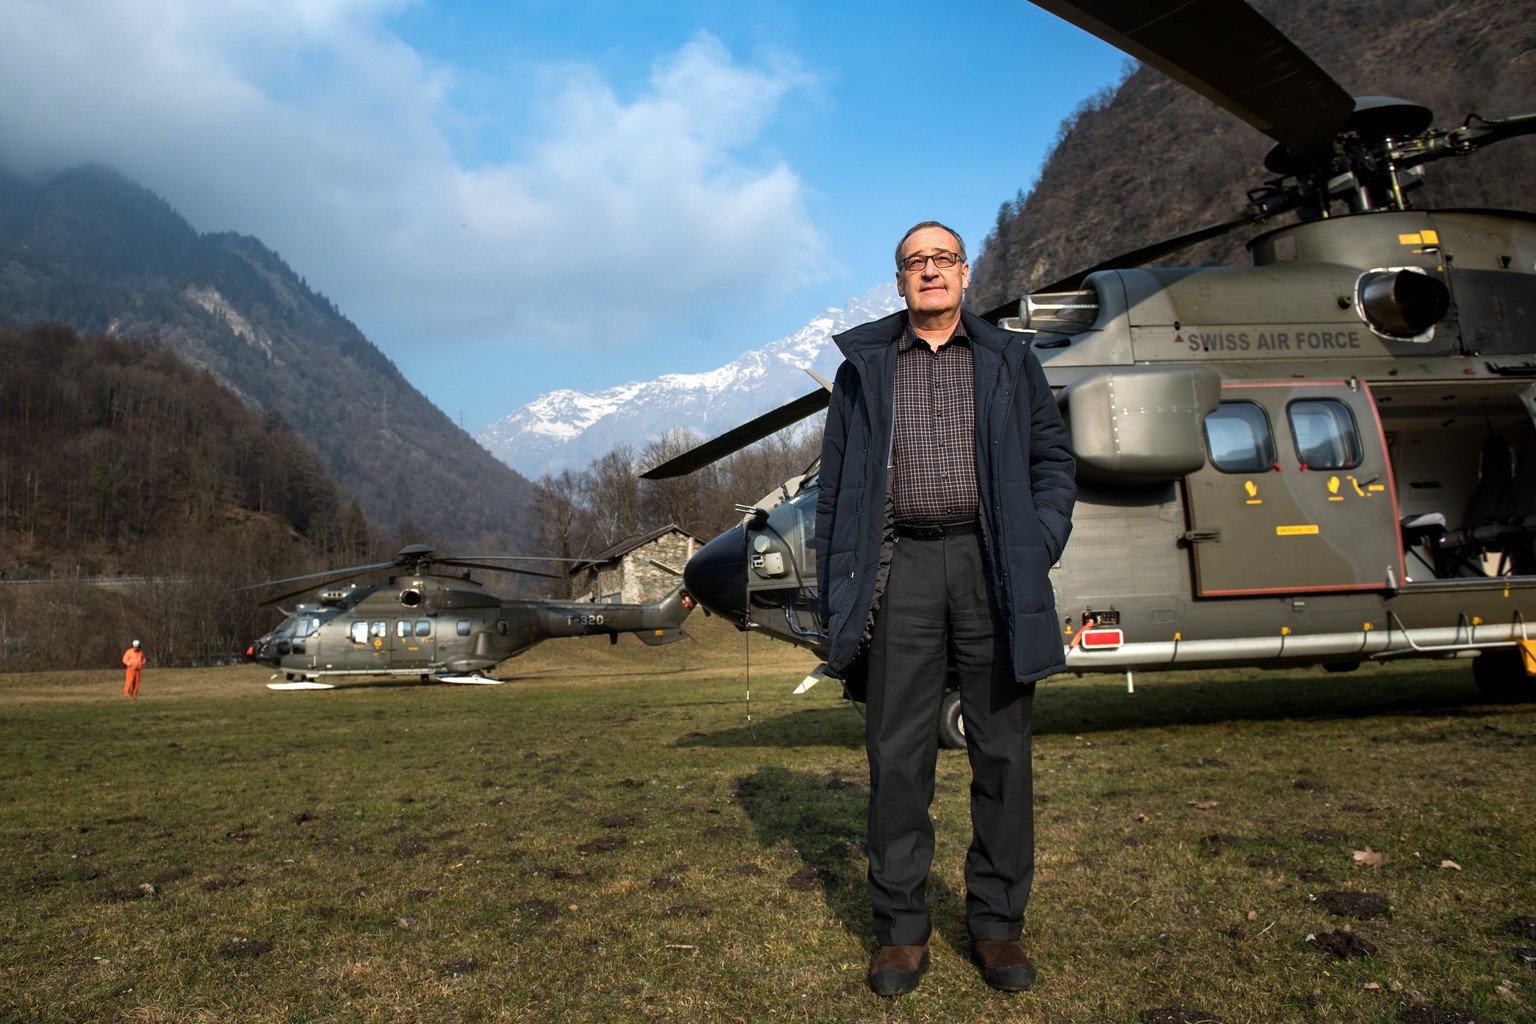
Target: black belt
x,y
937,530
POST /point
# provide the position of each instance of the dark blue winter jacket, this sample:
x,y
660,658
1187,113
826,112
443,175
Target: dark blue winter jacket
x,y
1024,475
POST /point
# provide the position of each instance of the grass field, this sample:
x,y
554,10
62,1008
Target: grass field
x,y
618,833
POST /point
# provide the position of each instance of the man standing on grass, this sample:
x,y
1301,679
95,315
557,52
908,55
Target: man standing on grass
x,y
945,496
133,659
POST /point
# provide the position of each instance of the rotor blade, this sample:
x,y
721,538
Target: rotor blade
x,y
1228,53
513,558
314,586
739,437
819,379
1460,141
503,568
340,574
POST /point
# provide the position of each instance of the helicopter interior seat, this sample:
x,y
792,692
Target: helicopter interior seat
x,y
1493,521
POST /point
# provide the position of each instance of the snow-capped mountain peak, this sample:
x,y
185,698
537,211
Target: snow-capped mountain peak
x,y
568,429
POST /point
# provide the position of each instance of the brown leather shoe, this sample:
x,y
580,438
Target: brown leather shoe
x,y
1003,964
897,969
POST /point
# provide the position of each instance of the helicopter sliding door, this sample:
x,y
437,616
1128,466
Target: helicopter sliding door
x,y
1296,493
414,646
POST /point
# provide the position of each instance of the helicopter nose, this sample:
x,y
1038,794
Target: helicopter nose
x,y
717,575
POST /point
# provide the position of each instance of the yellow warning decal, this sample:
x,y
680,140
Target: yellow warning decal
x,y
1413,239
1419,238
1430,237
1296,531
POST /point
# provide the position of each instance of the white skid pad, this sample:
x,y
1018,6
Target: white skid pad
x,y
303,684
472,680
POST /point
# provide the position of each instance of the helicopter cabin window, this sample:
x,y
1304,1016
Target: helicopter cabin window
x,y
463,627
379,629
501,626
423,627
403,629
1239,440
1325,433
359,632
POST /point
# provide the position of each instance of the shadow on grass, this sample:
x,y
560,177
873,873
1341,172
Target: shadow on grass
x,y
836,725
1073,706
1101,703
821,818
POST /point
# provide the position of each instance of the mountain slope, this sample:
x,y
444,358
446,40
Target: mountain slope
x,y
568,429
95,251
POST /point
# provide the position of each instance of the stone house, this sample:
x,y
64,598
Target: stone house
x,y
637,570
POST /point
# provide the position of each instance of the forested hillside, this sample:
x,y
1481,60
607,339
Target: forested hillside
x,y
119,460
1151,159
93,250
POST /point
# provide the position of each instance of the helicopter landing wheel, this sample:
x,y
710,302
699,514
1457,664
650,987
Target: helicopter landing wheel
x,y
1500,674
951,722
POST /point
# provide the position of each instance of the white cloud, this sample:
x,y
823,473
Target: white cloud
x,y
312,127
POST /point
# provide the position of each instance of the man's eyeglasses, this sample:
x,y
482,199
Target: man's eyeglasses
x,y
942,260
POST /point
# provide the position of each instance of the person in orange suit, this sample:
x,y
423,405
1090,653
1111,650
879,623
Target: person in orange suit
x,y
133,657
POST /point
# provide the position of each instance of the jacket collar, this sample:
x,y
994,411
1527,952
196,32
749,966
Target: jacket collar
x,y
877,334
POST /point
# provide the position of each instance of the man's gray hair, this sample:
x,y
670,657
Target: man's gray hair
x,y
929,224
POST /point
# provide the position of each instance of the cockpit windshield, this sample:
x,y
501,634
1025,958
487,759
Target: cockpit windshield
x,y
299,625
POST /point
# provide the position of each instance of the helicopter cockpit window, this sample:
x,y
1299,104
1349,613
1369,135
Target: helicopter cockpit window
x,y
1239,440
1325,433
297,628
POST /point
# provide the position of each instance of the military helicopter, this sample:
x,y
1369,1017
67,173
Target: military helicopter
x,y
1325,457
425,624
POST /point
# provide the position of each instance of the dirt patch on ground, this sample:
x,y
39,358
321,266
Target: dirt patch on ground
x,y
243,947
541,910
603,844
411,846
1360,905
1343,943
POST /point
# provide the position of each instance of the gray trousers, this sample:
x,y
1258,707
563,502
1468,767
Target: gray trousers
x,y
938,609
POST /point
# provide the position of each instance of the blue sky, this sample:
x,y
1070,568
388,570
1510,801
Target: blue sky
x,y
513,198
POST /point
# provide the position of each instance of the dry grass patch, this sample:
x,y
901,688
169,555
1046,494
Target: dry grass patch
x,y
608,837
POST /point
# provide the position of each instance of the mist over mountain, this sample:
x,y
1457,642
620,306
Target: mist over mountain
x,y
91,249
568,429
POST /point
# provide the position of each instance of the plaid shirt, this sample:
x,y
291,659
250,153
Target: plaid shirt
x,y
934,447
